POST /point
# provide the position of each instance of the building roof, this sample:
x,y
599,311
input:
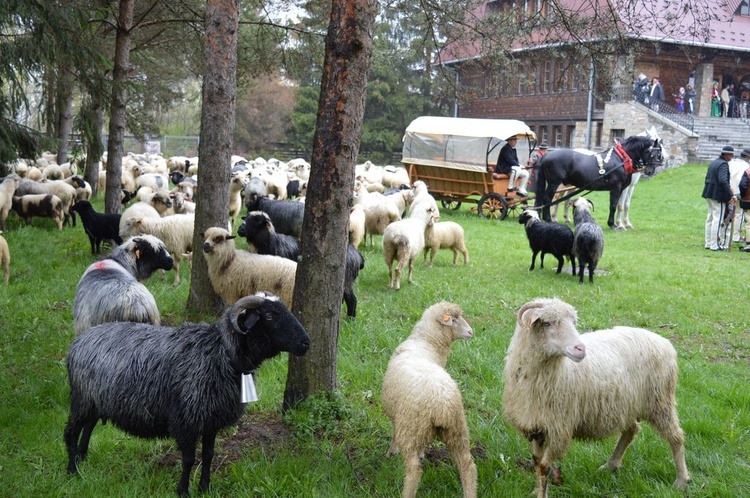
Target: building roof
x,y
701,23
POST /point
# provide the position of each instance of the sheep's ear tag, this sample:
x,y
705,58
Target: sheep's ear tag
x,y
446,320
247,320
248,392
137,254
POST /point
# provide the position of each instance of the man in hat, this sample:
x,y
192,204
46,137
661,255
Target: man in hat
x,y
534,163
718,194
737,168
744,195
507,164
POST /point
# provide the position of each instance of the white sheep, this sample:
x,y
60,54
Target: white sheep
x,y
357,225
423,401
378,217
422,198
444,235
7,187
403,242
180,204
236,185
561,386
5,258
234,273
176,231
138,210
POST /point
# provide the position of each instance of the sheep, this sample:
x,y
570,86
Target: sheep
x,y
176,231
548,238
259,232
181,382
83,188
180,204
394,176
378,217
588,238
357,218
286,215
403,241
60,188
236,184
42,205
255,185
186,188
98,226
423,402
137,210
235,273
110,290
560,386
444,235
5,258
7,187
422,198
155,181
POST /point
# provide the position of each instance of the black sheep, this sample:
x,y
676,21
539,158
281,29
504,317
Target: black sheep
x,y
259,231
548,238
285,215
181,382
98,226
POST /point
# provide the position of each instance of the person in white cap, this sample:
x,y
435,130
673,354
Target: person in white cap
x,y
718,194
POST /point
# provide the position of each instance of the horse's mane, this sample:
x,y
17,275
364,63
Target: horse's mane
x,y
636,140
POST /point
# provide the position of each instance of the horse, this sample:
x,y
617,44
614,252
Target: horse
x,y
610,170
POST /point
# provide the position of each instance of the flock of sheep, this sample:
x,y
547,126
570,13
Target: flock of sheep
x,y
185,382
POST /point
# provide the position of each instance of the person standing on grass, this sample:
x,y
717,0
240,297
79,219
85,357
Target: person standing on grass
x,y
718,194
744,196
737,168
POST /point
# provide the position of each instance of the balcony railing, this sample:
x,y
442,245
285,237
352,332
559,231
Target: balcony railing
x,y
684,119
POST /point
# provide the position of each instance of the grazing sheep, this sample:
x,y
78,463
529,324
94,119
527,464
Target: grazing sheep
x,y
98,226
7,188
548,238
137,210
155,181
444,235
423,401
588,239
111,290
181,382
60,188
403,241
235,273
41,205
255,185
286,215
560,386
5,258
83,188
175,230
378,217
259,232
357,218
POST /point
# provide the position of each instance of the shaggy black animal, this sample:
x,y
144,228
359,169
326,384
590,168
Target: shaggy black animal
x,y
98,226
259,231
588,241
285,215
548,238
182,382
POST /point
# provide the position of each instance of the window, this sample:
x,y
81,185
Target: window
x,y
557,137
616,135
569,134
744,8
543,135
547,76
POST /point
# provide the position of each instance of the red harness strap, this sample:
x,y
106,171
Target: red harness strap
x,y
626,161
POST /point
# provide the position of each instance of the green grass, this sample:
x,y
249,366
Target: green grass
x,y
658,276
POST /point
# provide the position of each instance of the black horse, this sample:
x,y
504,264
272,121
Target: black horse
x,y
609,170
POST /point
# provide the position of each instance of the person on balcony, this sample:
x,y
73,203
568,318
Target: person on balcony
x,y
680,100
690,96
657,94
507,164
715,100
726,98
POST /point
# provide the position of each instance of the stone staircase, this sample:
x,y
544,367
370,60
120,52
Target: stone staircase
x,y
715,133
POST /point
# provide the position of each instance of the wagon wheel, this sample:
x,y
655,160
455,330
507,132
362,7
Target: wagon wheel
x,y
519,204
451,204
493,206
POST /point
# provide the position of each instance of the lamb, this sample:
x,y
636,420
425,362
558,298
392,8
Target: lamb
x,y
588,239
423,402
182,382
7,187
98,226
259,232
357,219
5,258
60,188
111,290
548,238
444,235
403,241
560,386
235,273
41,205
286,216
176,231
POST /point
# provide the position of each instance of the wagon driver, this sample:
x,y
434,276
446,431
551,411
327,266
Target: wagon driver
x,y
507,164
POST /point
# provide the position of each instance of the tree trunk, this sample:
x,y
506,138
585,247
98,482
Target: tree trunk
x,y
215,150
65,83
320,275
117,113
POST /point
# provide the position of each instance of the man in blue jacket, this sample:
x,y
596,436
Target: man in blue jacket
x,y
718,194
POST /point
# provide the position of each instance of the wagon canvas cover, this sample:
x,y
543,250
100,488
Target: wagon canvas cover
x,y
462,143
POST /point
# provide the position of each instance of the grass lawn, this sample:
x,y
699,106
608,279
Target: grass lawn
x,y
657,276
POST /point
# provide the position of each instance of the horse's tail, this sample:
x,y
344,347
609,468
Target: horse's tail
x,y
541,183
